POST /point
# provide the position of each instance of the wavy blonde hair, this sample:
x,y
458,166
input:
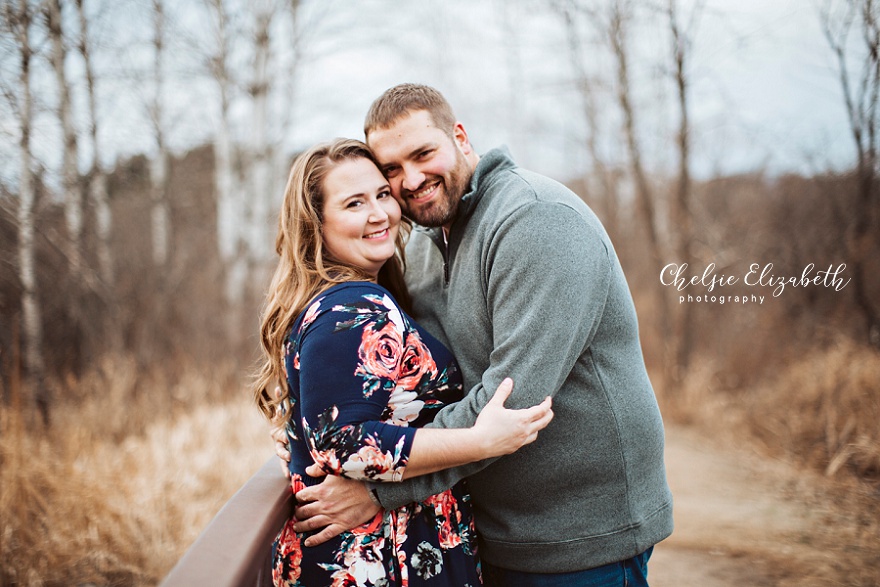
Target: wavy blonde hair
x,y
305,269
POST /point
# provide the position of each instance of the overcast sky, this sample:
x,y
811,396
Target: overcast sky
x,y
765,94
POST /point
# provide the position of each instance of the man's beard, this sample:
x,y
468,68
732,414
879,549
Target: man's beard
x,y
443,210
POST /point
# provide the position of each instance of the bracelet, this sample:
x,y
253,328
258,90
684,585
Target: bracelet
x,y
374,497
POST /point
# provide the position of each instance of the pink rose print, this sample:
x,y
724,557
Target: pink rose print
x,y
416,363
380,352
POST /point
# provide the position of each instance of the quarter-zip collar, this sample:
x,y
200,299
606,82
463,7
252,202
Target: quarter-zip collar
x,y
496,160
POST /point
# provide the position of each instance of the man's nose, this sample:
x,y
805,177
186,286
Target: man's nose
x,y
413,178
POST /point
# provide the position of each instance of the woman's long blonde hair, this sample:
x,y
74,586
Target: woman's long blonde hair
x,y
304,268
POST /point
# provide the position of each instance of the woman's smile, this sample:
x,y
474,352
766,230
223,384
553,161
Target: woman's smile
x,y
377,235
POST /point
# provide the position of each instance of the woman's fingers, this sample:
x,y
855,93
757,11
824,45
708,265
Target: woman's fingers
x,y
545,418
278,432
315,470
279,415
536,413
506,430
502,393
537,418
281,451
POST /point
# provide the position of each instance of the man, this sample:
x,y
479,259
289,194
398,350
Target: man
x,y
517,275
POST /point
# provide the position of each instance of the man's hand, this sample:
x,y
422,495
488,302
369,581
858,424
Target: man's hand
x,y
337,504
278,431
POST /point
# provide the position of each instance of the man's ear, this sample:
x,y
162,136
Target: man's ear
x,y
459,134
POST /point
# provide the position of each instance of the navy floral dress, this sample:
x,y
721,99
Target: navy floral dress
x,y
362,377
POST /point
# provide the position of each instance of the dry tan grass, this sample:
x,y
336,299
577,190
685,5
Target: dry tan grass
x,y
133,469
137,463
825,409
820,413
822,409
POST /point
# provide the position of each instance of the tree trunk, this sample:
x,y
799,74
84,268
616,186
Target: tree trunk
x,y
606,191
160,215
860,98
861,239
97,177
231,206
73,197
644,194
230,212
30,303
258,238
682,215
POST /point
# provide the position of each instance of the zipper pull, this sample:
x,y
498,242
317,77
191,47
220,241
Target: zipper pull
x,y
446,256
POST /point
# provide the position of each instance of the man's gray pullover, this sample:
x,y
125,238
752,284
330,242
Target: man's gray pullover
x,y
529,286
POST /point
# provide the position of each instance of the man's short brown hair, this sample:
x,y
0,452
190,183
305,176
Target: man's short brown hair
x,y
403,99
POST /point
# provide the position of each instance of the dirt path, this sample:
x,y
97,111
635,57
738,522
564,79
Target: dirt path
x,y
742,520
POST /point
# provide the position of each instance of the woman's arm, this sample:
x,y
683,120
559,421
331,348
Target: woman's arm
x,y
341,411
497,431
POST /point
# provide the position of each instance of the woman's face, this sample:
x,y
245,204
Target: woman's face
x,y
361,219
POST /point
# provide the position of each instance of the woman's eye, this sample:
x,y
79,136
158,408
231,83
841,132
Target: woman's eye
x,y
384,194
353,204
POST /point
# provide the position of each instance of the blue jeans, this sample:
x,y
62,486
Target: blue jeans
x,y
632,572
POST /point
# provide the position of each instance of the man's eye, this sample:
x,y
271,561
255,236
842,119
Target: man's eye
x,y
425,154
391,171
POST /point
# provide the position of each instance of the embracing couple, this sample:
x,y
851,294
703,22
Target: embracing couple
x,y
476,413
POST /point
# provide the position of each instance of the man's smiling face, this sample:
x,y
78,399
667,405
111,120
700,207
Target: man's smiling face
x,y
427,169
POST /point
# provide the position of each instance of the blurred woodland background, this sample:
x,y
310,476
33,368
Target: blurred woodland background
x,y
144,146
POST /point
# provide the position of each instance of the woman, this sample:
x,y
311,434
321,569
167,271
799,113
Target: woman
x,y
362,378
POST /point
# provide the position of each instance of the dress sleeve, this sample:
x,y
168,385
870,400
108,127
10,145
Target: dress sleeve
x,y
343,398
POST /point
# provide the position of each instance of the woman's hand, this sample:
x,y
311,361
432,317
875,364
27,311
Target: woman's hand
x,y
500,431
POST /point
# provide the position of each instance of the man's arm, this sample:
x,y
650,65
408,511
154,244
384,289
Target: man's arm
x,y
547,283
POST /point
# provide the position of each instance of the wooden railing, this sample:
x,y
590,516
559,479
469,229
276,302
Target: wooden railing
x,y
234,549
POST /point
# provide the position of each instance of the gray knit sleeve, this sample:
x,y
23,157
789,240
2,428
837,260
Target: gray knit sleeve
x,y
546,279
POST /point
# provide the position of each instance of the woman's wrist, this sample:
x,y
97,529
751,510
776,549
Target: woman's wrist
x,y
475,440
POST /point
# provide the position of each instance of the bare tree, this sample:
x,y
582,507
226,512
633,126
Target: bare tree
x,y
261,148
97,177
603,171
511,33
620,18
302,33
230,204
160,165
861,91
73,197
682,215
20,21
